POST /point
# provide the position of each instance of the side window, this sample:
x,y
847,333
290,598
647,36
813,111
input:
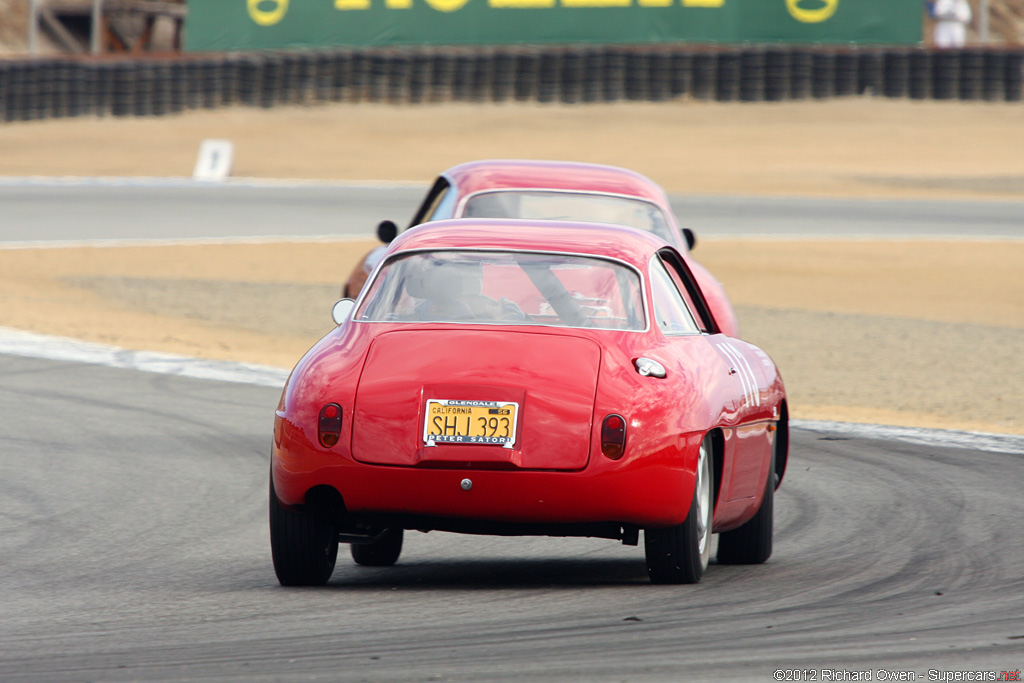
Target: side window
x,y
670,310
675,270
442,207
434,205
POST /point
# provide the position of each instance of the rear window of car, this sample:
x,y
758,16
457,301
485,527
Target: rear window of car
x,y
506,288
569,206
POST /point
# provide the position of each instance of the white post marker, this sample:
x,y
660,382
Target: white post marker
x,y
216,159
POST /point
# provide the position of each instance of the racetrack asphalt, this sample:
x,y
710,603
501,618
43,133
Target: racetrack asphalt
x,y
135,548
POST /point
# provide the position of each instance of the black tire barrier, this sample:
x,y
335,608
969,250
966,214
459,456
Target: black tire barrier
x,y
847,74
1013,75
549,69
462,78
341,86
681,78
399,69
571,77
442,74
993,80
359,75
971,69
34,89
504,76
659,78
77,89
161,104
895,74
9,98
869,73
637,75
703,75
919,75
271,77
592,86
482,77
727,81
800,74
823,75
614,74
420,69
752,75
777,67
946,75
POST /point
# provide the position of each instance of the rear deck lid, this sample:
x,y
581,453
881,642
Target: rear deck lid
x,y
476,398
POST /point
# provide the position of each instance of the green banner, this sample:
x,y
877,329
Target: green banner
x,y
279,24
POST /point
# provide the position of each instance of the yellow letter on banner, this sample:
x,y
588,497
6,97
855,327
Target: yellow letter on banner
x,y
521,4
267,17
447,5
351,4
596,3
812,16
703,3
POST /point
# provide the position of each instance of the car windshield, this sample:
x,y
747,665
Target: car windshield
x,y
569,206
506,288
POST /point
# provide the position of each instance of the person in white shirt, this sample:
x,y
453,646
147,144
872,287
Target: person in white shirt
x,y
951,20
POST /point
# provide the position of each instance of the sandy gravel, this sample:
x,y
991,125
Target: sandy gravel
x,y
914,333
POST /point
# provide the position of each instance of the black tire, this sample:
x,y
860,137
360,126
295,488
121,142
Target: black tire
x,y
383,552
304,545
752,542
680,554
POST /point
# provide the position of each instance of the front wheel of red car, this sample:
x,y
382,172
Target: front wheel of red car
x,y
680,554
304,545
383,552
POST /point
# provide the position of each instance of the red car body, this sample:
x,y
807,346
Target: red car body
x,y
376,378
452,191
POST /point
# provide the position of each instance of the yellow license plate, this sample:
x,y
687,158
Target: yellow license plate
x,y
486,423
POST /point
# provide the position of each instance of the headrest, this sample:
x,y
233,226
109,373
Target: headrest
x,y
436,280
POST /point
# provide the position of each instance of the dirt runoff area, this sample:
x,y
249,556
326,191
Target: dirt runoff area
x,y
917,333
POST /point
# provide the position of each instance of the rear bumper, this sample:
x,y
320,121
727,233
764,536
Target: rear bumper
x,y
651,491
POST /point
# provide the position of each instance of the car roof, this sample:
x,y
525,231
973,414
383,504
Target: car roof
x,y
496,174
591,239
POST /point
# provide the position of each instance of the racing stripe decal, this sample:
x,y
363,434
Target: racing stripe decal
x,y
748,380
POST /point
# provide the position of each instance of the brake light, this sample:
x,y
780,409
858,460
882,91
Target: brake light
x,y
613,436
329,425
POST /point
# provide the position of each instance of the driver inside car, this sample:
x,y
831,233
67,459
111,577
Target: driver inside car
x,y
453,291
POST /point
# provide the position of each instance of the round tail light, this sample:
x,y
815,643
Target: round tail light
x,y
613,436
329,425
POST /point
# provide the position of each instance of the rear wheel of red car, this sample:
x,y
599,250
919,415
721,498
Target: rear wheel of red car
x,y
680,554
752,542
383,552
304,545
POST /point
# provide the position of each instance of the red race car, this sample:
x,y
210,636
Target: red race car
x,y
528,378
554,190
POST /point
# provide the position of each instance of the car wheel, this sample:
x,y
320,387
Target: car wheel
x,y
304,545
680,554
752,542
383,552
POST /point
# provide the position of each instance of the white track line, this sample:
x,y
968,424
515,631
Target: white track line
x,y
186,241
184,181
33,345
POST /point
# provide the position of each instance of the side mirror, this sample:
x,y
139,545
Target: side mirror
x,y
387,231
342,310
691,238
